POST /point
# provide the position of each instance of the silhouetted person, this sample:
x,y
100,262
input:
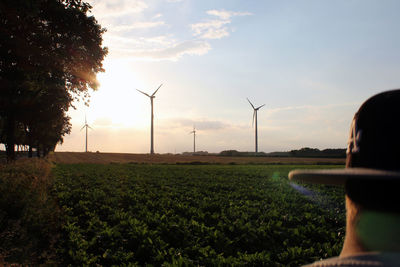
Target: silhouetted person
x,y
372,185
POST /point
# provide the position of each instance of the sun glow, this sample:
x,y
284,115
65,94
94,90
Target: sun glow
x,y
116,104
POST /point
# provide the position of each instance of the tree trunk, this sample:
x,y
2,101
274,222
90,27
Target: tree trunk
x,y
45,151
10,139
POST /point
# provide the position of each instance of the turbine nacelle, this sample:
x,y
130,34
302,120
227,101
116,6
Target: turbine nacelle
x,y
260,107
253,105
194,131
152,95
86,125
255,110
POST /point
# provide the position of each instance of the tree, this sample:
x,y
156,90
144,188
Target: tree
x,y
50,53
46,126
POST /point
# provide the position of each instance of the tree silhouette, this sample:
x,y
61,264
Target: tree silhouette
x,y
50,53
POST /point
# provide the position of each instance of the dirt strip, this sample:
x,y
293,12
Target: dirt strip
x,y
105,158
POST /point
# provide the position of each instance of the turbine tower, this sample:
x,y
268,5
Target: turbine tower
x,y
86,139
255,119
194,139
152,118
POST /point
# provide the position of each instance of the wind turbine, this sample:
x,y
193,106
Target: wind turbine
x,y
194,139
152,118
86,126
255,119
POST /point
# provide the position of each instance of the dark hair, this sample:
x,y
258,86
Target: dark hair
x,y
378,195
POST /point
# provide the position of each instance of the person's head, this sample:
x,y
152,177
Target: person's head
x,y
374,195
372,174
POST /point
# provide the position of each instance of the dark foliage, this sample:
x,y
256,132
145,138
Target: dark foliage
x,y
29,215
305,152
169,215
315,153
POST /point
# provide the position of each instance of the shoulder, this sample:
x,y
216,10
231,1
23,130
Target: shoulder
x,y
367,259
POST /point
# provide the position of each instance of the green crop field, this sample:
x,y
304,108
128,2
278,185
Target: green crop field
x,y
194,215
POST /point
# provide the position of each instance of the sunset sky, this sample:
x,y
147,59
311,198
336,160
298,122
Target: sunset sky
x,y
312,63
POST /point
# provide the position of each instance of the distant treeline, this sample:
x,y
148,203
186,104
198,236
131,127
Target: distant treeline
x,y
305,152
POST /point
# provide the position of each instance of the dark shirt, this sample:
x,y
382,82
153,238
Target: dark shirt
x,y
365,259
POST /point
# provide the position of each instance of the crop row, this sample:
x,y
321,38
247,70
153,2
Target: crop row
x,y
193,215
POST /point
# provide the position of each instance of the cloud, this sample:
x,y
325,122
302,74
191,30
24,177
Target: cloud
x,y
200,124
128,40
213,29
173,52
115,8
110,14
215,33
137,25
216,29
308,125
226,15
140,42
314,110
200,27
156,16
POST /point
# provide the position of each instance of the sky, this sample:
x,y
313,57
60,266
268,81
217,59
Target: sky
x,y
312,63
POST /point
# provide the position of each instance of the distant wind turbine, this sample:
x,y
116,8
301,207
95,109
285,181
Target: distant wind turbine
x,y
86,139
152,118
255,119
194,139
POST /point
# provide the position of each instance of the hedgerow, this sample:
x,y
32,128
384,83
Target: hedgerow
x,y
29,215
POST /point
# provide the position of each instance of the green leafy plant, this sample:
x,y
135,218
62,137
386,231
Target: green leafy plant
x,y
189,215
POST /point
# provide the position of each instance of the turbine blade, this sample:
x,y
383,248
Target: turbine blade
x,y
250,103
83,127
90,127
156,90
143,92
254,117
260,107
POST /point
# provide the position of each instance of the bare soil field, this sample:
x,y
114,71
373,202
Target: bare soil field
x,y
105,158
